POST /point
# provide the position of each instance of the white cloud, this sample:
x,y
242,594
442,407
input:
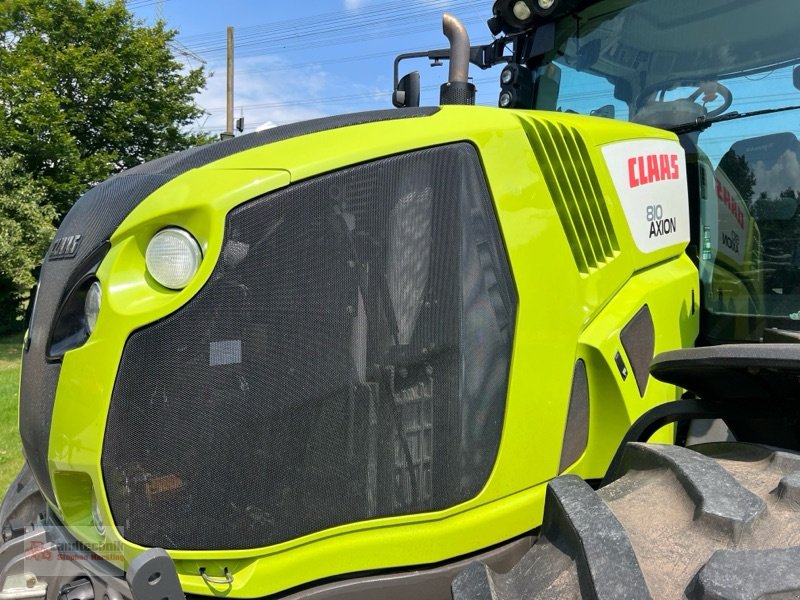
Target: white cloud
x,y
354,4
266,88
782,175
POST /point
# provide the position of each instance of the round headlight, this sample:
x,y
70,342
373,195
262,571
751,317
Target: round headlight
x,y
173,257
91,306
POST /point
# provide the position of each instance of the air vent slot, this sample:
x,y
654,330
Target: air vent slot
x,y
576,192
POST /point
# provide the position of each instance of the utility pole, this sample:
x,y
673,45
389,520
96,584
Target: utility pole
x,y
229,112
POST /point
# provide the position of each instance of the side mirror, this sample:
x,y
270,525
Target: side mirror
x,y
606,111
407,93
547,87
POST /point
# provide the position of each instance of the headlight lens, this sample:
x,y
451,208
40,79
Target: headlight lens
x,y
173,257
79,308
91,306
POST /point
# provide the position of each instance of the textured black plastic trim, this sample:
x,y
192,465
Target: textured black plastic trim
x,y
638,338
180,162
152,576
425,582
457,92
95,216
576,433
70,307
764,371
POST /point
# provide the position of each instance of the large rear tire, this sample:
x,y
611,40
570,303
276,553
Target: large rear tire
x,y
717,521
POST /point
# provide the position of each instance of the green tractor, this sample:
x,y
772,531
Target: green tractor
x,y
420,352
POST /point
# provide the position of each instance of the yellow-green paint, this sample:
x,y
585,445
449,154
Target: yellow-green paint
x,y
562,315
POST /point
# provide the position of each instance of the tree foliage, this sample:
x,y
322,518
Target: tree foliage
x,y
86,91
26,226
738,170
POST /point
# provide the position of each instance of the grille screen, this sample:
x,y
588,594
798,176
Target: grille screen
x,y
348,359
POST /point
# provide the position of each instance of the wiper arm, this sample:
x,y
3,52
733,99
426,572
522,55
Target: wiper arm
x,y
702,123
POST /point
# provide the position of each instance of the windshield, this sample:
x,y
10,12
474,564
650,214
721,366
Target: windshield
x,y
679,63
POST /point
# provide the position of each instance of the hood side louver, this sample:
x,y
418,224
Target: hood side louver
x,y
576,192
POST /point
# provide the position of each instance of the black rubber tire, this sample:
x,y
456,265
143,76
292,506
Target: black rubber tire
x,y
22,504
716,521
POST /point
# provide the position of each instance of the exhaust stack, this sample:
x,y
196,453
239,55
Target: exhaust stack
x,y
458,89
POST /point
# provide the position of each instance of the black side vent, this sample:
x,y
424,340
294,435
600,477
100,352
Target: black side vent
x,y
639,341
576,433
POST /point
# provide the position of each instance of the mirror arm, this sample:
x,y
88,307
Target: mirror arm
x,y
482,57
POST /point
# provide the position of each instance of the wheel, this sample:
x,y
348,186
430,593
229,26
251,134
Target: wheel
x,y
717,521
710,90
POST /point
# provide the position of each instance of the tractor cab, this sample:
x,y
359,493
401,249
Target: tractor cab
x,y
723,75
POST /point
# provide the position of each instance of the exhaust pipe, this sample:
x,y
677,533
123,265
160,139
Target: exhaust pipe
x,y
458,89
458,37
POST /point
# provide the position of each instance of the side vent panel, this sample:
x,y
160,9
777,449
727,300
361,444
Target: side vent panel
x,y
638,339
576,192
576,433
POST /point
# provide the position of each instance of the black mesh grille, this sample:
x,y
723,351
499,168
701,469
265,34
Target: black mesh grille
x,y
94,217
348,359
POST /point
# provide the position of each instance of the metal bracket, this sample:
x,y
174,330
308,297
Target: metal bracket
x,y
483,57
152,576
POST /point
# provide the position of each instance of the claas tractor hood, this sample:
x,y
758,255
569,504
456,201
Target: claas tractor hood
x,y
339,352
284,364
257,353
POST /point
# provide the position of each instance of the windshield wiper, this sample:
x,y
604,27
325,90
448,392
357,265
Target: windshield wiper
x,y
702,123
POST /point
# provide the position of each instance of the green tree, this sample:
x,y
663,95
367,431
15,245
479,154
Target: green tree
x,y
736,167
86,91
26,226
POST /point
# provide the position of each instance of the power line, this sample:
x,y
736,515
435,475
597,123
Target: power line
x,y
345,18
136,4
332,99
294,34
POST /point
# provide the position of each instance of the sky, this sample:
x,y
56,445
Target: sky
x,y
300,60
